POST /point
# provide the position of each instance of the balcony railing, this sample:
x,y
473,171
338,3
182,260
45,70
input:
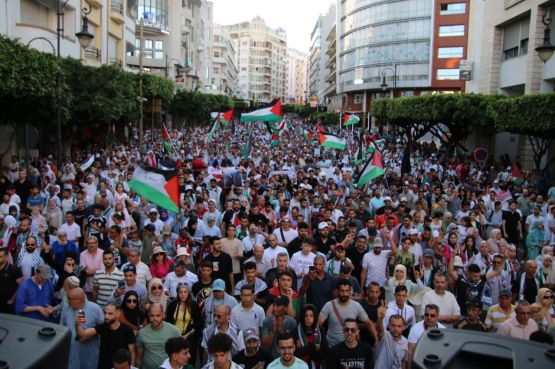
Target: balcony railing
x,y
93,53
117,6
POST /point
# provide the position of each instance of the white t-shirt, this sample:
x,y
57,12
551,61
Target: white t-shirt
x,y
447,302
272,253
73,231
418,330
301,262
289,235
375,266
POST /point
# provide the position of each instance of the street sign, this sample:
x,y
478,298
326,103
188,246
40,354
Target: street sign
x,y
465,70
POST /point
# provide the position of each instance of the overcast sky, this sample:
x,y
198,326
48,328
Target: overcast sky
x,y
297,17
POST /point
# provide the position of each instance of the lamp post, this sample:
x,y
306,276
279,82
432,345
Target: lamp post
x,y
84,38
384,85
546,49
177,65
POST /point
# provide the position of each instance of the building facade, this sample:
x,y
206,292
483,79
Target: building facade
x,y
34,22
261,59
297,79
318,60
224,70
398,48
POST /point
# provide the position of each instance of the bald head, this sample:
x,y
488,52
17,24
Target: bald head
x,y
76,298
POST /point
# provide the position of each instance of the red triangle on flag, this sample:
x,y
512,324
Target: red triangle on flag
x,y
276,109
165,134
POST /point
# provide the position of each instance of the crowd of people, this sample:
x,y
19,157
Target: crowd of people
x,y
290,264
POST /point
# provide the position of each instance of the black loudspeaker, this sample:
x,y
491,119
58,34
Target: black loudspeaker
x,y
454,349
33,344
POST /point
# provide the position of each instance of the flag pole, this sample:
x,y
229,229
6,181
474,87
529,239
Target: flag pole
x,y
170,139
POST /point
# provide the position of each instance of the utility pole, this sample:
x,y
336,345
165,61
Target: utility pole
x,y
141,53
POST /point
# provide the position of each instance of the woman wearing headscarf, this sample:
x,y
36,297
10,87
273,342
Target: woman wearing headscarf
x,y
400,279
10,235
546,315
184,313
53,214
310,339
132,315
546,271
535,240
496,240
155,294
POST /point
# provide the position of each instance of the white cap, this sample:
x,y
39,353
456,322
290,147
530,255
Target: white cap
x,y
322,225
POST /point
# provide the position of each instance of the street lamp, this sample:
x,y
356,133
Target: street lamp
x,y
384,83
177,65
85,37
545,50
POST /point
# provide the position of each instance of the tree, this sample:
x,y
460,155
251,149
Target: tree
x,y
529,115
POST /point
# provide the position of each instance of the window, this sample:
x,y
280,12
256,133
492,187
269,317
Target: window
x,y
358,99
515,38
450,52
454,8
449,31
447,74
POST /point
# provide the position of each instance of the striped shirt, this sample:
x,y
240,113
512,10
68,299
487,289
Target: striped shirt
x,y
106,283
496,316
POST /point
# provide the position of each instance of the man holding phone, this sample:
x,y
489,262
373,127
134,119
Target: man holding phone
x,y
128,283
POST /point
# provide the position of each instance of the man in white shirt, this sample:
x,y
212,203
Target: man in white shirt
x,y
273,250
143,271
431,313
179,275
153,219
375,261
253,238
445,300
71,229
285,234
301,261
400,307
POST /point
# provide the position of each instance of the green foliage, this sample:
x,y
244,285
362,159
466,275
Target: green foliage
x,y
156,87
532,115
325,117
305,110
195,106
288,108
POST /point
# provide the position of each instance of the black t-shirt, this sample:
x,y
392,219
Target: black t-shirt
x,y
325,247
511,222
466,325
112,340
372,311
202,291
342,357
259,361
222,267
356,258
8,283
466,290
294,246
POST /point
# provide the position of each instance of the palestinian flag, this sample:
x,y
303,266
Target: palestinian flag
x,y
166,140
159,187
372,169
275,140
307,134
283,126
332,141
247,147
272,113
225,118
87,164
349,120
214,128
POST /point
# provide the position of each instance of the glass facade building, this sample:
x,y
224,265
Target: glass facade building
x,y
376,34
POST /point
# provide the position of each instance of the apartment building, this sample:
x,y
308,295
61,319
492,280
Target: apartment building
x,y
224,70
35,22
261,59
298,77
318,60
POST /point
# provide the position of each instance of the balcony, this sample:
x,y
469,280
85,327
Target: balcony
x,y
93,53
153,28
116,11
219,60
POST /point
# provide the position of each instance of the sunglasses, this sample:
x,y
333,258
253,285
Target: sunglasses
x,y
131,301
350,330
30,244
154,288
548,297
430,315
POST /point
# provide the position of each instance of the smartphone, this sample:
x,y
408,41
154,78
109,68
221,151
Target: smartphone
x,y
121,284
312,268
